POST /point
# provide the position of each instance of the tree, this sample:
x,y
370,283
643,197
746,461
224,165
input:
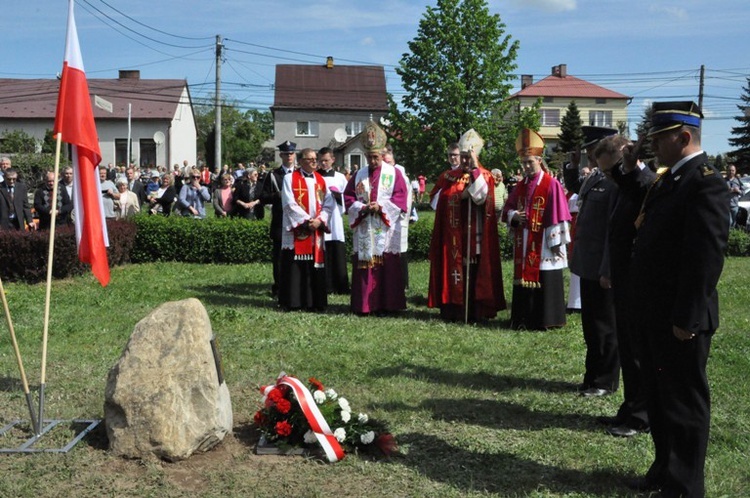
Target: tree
x,y
243,133
571,134
642,130
455,77
18,141
741,134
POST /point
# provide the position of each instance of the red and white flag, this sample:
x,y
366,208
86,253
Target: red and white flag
x,y
75,120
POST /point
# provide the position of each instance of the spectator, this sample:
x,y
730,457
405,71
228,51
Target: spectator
x,y
109,193
15,212
193,195
127,204
43,201
223,197
735,192
161,202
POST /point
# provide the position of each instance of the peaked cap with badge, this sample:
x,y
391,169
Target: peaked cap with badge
x,y
667,116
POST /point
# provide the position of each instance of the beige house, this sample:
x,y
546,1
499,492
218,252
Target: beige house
x,y
598,106
162,124
327,106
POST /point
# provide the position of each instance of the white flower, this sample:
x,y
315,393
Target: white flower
x,y
367,437
340,434
331,394
363,418
346,416
310,437
344,404
319,397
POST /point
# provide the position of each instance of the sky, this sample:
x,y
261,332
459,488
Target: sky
x,y
647,49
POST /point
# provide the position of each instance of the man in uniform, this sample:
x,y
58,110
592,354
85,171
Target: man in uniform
x,y
590,261
271,194
677,261
374,198
466,280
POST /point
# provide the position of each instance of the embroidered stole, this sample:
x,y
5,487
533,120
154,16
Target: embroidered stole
x,y
526,266
372,229
308,245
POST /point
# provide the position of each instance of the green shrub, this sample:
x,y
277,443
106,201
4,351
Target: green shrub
x,y
739,243
27,252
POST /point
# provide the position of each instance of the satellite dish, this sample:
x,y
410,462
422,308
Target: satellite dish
x,y
159,138
340,135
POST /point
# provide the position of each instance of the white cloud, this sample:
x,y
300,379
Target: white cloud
x,y
367,41
547,5
673,12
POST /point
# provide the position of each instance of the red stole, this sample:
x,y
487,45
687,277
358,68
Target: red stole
x,y
526,269
308,245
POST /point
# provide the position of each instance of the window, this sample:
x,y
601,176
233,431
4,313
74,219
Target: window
x,y
121,151
600,118
148,152
548,99
354,128
550,117
355,161
307,128
601,101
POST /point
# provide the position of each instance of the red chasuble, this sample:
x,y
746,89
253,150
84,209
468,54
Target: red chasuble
x,y
526,268
448,248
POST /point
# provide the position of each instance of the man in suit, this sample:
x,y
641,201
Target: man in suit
x,y
631,417
590,261
271,194
678,257
15,212
136,186
65,189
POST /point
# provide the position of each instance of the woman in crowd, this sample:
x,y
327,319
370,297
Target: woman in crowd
x,y
246,196
127,204
223,197
161,201
193,195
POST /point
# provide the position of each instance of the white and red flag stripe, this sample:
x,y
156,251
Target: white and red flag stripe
x,y
75,120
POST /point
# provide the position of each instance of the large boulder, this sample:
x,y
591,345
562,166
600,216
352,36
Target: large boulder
x,y
163,397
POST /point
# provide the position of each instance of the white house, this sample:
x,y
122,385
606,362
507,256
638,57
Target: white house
x,y
162,124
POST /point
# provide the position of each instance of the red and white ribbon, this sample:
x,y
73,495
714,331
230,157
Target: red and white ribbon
x,y
333,450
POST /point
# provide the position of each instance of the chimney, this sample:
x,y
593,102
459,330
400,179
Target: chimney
x,y
561,70
130,74
526,80
329,62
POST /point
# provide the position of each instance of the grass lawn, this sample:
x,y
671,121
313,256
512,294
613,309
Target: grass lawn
x,y
477,410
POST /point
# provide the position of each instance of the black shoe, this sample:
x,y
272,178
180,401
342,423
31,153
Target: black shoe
x,y
642,484
627,430
610,421
595,392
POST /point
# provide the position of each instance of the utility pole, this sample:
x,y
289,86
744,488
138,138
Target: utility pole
x,y
217,106
700,89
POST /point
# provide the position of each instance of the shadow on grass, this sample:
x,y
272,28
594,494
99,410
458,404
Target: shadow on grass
x,y
235,295
510,475
12,384
474,380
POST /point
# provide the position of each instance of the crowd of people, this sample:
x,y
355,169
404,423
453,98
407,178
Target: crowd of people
x,y
647,247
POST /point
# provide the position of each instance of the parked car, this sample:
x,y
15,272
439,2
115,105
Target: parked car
x,y
745,184
744,203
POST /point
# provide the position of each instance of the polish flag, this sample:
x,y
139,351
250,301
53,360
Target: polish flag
x,y
75,120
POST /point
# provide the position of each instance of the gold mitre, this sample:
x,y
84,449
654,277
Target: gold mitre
x,y
529,143
471,141
374,139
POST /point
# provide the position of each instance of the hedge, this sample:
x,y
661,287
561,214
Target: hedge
x,y
227,241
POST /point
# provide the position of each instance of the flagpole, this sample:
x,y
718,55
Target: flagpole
x,y
50,256
19,360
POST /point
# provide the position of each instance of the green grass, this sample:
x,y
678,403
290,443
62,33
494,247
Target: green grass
x,y
477,410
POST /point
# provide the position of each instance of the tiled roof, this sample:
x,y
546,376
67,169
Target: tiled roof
x,y
569,87
37,98
358,88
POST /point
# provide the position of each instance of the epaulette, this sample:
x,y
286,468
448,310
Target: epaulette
x,y
708,171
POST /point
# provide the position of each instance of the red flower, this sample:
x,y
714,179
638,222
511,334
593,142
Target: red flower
x,y
283,406
283,428
386,443
259,418
275,395
316,383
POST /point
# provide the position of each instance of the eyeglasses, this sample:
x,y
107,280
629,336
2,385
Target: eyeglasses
x,y
195,177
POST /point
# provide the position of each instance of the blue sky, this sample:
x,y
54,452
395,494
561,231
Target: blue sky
x,y
648,49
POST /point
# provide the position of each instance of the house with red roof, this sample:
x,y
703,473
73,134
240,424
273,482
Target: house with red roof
x,y
598,106
159,111
328,106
